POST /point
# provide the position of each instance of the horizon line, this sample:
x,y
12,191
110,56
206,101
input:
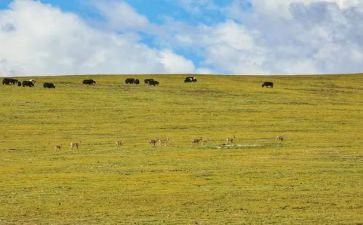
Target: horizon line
x,y
182,74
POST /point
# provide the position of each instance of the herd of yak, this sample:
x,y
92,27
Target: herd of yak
x,y
151,82
25,83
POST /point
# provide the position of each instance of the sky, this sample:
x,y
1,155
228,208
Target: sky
x,y
257,37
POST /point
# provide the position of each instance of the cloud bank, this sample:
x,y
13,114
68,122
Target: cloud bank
x,y
38,39
254,37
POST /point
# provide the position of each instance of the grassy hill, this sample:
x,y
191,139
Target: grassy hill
x,y
315,176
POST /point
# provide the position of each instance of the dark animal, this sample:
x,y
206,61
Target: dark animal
x,y
146,81
89,82
132,81
268,84
27,83
48,85
129,80
9,81
19,83
190,80
153,83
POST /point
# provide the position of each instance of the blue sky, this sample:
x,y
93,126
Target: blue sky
x,y
180,36
154,10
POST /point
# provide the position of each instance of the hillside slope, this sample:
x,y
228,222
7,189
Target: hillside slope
x,y
314,176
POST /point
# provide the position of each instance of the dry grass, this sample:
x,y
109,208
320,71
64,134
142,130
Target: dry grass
x,y
314,176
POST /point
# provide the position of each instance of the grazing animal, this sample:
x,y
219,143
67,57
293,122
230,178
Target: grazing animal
x,y
75,145
153,83
190,80
132,81
164,141
280,138
48,85
10,81
154,142
33,81
58,147
268,84
27,83
89,82
230,140
198,141
146,81
118,143
19,84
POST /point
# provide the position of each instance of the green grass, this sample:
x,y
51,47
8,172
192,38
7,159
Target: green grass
x,y
314,177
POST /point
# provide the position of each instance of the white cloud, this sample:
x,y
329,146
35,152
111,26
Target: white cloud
x,y
273,37
281,8
173,62
40,39
323,35
281,36
120,15
231,47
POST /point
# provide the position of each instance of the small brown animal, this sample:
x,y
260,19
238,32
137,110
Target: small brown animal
x,y
164,141
198,140
280,138
119,143
230,140
75,145
154,142
58,147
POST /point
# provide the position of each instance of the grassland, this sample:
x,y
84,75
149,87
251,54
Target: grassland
x,y
314,177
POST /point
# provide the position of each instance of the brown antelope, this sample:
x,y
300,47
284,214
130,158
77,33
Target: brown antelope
x,y
75,145
164,141
198,140
154,142
118,143
230,140
58,147
280,138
